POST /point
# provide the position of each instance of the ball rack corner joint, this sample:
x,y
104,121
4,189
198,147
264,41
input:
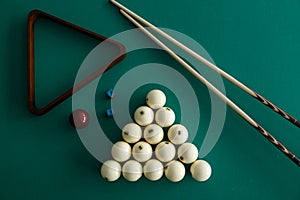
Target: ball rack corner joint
x,y
33,16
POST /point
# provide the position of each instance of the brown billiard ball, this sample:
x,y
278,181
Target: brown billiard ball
x,y
79,118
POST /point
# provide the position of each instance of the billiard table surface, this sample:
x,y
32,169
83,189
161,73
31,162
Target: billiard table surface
x,y
44,157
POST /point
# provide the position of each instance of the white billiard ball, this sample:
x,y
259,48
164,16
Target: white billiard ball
x,y
153,134
156,99
165,151
200,170
187,153
111,170
142,151
121,151
165,117
144,115
153,170
132,170
175,171
131,133
178,134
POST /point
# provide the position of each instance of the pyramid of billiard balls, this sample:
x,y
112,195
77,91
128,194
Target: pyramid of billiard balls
x,y
134,156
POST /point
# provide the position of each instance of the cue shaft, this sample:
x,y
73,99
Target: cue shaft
x,y
216,91
233,80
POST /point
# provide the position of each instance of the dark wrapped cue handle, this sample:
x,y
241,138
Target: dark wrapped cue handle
x,y
276,109
275,142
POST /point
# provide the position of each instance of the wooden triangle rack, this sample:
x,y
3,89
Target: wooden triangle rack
x,y
33,16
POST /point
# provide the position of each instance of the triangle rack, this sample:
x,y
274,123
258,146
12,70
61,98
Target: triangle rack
x,y
33,16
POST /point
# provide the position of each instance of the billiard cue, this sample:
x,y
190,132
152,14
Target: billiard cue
x,y
230,103
233,80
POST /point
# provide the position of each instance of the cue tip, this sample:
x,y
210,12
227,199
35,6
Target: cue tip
x,y
125,14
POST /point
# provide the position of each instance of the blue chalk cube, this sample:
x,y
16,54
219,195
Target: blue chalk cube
x,y
109,112
110,93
